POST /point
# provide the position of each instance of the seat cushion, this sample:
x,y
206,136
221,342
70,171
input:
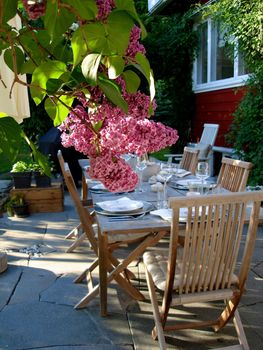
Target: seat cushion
x,y
156,264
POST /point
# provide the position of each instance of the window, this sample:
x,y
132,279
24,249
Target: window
x,y
218,64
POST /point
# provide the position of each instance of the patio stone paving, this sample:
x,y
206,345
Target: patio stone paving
x,y
37,296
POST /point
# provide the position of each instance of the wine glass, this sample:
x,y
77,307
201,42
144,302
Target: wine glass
x,y
141,164
202,173
166,173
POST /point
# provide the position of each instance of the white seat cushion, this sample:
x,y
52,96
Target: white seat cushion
x,y
156,264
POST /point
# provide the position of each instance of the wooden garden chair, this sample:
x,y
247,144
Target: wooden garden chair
x,y
233,174
117,270
189,159
205,268
205,145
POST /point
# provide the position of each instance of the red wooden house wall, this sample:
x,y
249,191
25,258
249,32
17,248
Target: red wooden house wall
x,y
216,107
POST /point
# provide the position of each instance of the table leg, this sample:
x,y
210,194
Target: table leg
x,y
103,263
84,188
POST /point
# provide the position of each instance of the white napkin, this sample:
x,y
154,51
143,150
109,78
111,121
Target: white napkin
x,y
182,173
165,214
120,204
99,186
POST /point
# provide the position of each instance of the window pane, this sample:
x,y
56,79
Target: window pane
x,y
202,54
222,56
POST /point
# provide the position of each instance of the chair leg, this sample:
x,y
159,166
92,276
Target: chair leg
x,y
158,329
95,291
73,231
83,275
240,331
115,273
77,243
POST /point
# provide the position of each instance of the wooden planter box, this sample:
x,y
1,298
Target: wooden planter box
x,y
43,199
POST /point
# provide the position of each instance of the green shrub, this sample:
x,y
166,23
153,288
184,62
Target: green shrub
x,y
246,132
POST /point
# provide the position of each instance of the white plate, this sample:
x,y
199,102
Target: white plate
x,y
185,183
145,209
120,205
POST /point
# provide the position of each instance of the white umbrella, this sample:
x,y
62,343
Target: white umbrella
x,y
16,106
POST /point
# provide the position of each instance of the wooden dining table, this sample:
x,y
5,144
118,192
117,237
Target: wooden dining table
x,y
147,223
107,225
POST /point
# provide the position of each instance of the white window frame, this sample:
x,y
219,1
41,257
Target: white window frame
x,y
237,80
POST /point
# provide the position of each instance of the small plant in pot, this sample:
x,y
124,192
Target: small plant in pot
x,y
42,173
22,174
17,206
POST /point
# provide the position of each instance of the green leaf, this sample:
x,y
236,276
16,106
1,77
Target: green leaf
x,y
28,67
144,67
39,158
47,70
111,38
97,126
112,92
118,29
115,66
36,54
9,8
79,46
54,85
128,6
57,20
132,81
20,58
90,66
86,9
58,110
10,142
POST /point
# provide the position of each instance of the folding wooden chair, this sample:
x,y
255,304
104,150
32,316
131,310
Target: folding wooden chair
x,y
117,270
189,159
233,174
205,268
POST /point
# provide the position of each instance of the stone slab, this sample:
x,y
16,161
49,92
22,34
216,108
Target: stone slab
x,y
8,282
42,324
31,284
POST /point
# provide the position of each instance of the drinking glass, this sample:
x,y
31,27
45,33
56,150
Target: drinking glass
x,y
166,172
202,173
140,166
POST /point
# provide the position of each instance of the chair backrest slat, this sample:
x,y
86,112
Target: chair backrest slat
x,y
233,174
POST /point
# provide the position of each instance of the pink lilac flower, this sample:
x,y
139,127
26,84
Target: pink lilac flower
x,y
118,134
104,8
113,172
134,44
35,8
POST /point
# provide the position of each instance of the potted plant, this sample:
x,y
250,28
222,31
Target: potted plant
x,y
22,174
17,206
42,172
